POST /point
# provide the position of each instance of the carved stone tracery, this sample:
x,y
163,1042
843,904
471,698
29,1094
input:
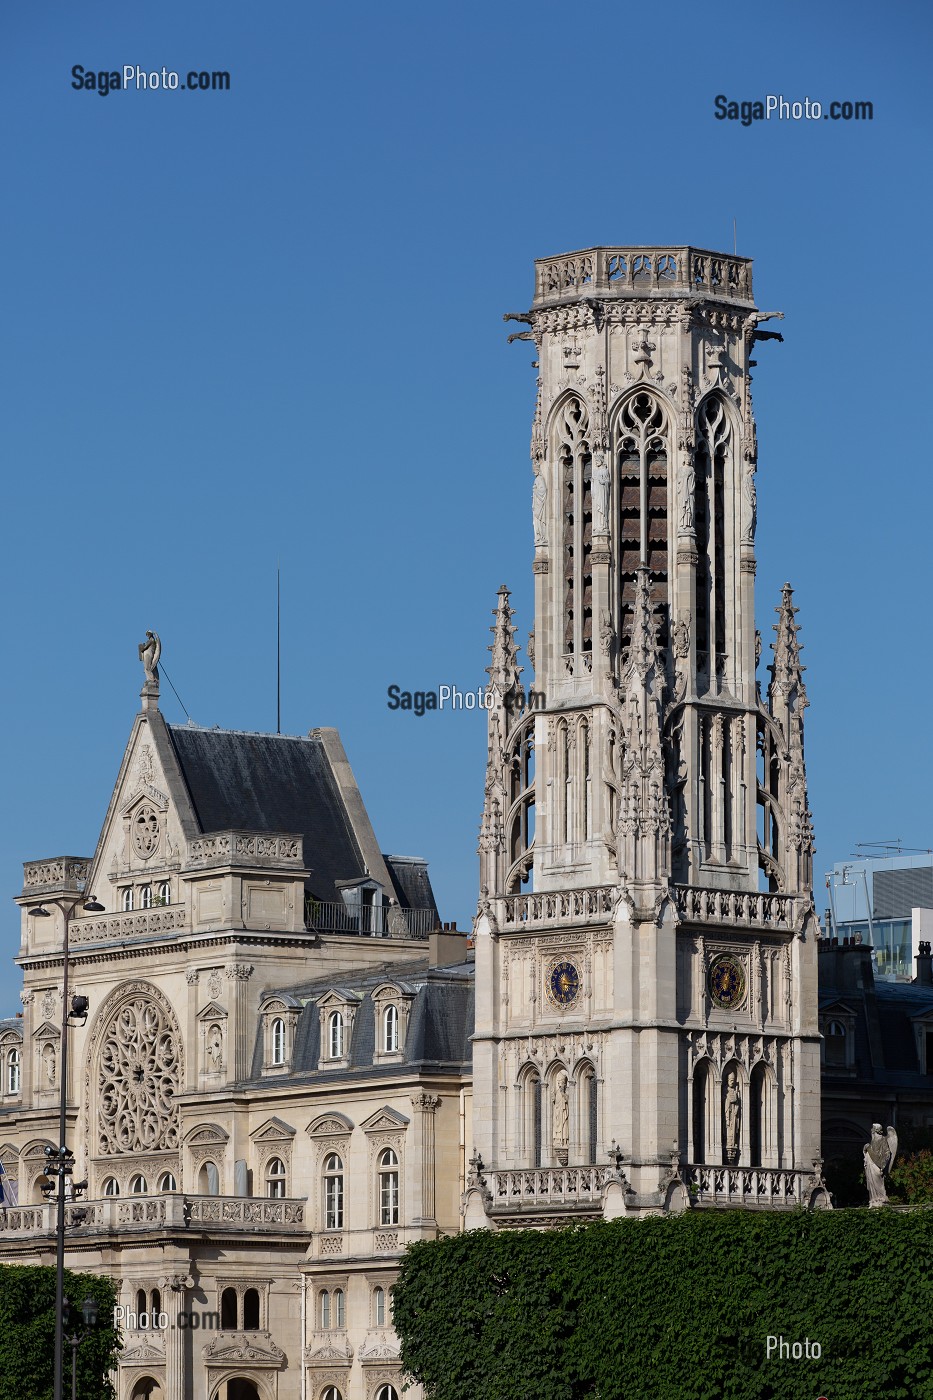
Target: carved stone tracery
x,y
138,1080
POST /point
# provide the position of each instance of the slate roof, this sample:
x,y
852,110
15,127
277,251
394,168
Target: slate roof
x,y
439,1027
278,783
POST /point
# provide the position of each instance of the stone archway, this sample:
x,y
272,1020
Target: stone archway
x,y
146,1388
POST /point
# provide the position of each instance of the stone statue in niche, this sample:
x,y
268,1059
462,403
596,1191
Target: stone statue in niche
x,y
539,508
686,506
600,495
149,652
50,1062
879,1157
215,1048
732,1110
560,1119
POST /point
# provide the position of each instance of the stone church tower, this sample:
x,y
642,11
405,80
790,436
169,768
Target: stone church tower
x,y
646,998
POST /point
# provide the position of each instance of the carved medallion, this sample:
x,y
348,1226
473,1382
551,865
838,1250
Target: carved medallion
x,y
146,831
562,985
727,982
138,1081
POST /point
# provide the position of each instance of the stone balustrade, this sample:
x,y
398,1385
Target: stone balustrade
x,y
750,1186
542,1188
141,923
66,874
262,849
517,911
173,1210
676,272
735,908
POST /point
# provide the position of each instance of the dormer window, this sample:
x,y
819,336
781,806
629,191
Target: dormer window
x,y
13,1071
278,1041
392,1003
390,1029
335,1035
278,1017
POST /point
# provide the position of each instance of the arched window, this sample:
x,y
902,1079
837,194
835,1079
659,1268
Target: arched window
x,y
13,1071
324,1308
388,1188
145,901
331,1393
713,447
278,1041
140,1305
335,1035
251,1310
340,1308
209,1180
379,1307
111,1186
228,1310
138,1185
126,899
165,892
390,1028
641,509
703,1115
333,1192
834,1045
167,1182
387,1392
576,524
529,1108
275,1178
588,1113
155,1304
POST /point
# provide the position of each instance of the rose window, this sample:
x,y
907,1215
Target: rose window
x,y
139,1074
146,831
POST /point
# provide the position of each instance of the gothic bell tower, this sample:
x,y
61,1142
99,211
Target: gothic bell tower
x,y
646,1032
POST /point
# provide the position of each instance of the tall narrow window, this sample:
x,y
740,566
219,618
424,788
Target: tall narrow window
x,y
340,1308
165,892
111,1186
275,1178
13,1072
333,1192
325,1310
713,443
126,899
251,1310
278,1041
388,1188
145,899
575,484
155,1305
335,1036
641,457
379,1307
585,780
228,1310
390,1028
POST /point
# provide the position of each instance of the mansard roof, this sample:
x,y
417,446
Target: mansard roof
x,y
439,1028
279,783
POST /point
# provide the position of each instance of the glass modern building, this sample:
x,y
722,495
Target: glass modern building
x,y
887,902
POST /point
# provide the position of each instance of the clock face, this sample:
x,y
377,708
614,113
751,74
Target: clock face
x,y
727,982
563,984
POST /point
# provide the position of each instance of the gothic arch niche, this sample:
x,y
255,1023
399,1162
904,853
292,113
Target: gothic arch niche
x,y
714,469
528,1099
134,1070
641,510
705,1116
762,1117
571,450
520,815
587,1120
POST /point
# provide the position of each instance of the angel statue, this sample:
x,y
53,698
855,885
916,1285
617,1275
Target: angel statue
x,y
149,652
879,1157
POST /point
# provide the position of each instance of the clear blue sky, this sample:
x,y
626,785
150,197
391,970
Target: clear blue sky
x,y
266,325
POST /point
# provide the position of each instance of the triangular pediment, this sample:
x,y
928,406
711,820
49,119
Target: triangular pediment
x,y
213,1011
337,998
149,819
274,1130
47,1031
330,1125
392,989
278,1001
207,1135
384,1119
843,1008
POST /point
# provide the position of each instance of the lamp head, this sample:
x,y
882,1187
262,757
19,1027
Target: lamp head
x,y
40,912
93,906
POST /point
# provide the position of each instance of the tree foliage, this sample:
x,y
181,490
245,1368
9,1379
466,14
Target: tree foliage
x,y
675,1308
27,1335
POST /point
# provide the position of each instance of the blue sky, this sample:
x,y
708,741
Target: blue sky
x,y
266,324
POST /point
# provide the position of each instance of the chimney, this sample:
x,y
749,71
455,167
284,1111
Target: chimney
x,y
446,946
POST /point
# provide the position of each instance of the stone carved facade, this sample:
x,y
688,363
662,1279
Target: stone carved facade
x,y
629,800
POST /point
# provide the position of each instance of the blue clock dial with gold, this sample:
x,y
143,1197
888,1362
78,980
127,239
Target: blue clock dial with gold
x,y
563,984
727,982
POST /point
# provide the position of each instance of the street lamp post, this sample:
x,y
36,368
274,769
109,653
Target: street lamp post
x,y
60,1162
89,1314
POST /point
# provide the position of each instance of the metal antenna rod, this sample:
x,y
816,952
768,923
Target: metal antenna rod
x,y
278,648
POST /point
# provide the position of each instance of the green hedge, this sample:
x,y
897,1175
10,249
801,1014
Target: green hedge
x,y
675,1309
27,1335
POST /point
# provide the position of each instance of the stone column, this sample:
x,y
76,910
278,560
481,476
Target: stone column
x,y
425,1106
173,1301
239,1035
